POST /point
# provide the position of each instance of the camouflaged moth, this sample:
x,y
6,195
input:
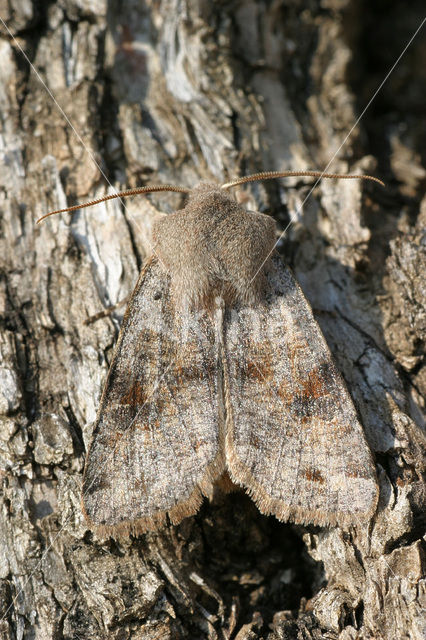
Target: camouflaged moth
x,y
221,371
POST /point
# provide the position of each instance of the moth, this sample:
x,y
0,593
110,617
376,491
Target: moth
x,y
221,371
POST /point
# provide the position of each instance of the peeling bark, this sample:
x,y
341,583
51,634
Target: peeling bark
x,y
173,92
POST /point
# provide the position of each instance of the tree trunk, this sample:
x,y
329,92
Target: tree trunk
x,y
175,91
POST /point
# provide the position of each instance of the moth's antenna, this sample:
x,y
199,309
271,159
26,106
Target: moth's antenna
x,y
268,175
121,194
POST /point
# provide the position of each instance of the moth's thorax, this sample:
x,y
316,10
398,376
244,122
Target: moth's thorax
x,y
213,246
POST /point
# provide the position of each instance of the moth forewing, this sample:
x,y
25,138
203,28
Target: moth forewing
x,y
155,447
293,438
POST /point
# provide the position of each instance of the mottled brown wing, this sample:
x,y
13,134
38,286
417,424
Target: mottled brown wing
x,y
293,439
155,446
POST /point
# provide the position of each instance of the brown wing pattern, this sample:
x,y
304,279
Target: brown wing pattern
x,y
292,436
155,448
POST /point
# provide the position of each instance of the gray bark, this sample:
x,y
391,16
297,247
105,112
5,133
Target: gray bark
x,y
173,92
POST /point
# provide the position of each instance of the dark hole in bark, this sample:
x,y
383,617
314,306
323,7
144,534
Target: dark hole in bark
x,y
359,615
254,561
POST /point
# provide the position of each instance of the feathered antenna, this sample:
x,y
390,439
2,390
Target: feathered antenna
x,y
121,194
267,175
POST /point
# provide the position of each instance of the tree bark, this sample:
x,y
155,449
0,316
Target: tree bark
x,y
176,91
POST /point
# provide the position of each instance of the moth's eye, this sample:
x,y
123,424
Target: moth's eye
x,y
157,295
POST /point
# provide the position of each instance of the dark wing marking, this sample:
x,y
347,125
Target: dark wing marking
x,y
293,438
155,447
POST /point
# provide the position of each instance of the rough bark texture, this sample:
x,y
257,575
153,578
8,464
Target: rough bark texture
x,y
177,91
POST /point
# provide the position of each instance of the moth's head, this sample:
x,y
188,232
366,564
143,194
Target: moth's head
x,y
204,189
210,196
